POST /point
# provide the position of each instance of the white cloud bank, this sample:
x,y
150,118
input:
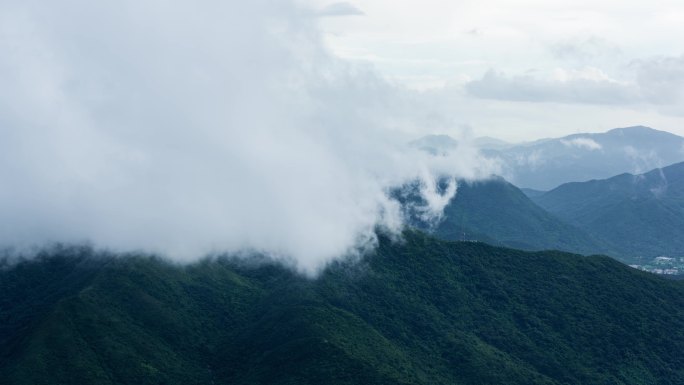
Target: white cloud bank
x,y
187,128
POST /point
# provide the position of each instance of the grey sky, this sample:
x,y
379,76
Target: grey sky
x,y
593,65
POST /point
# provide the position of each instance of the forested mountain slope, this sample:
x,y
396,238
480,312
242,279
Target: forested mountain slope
x,y
421,311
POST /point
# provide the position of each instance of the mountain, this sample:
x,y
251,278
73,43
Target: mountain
x,y
420,311
439,144
642,215
532,193
496,212
489,143
548,163
435,144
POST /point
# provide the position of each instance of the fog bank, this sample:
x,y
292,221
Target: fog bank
x,y
187,128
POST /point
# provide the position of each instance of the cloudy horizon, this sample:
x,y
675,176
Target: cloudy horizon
x,y
528,69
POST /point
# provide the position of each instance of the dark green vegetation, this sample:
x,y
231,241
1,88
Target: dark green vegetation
x,y
496,212
641,215
420,312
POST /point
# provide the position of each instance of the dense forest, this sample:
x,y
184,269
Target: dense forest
x,y
419,311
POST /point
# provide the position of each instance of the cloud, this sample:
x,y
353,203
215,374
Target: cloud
x,y
642,160
584,143
589,86
584,50
661,81
435,199
474,32
532,160
655,82
340,9
196,127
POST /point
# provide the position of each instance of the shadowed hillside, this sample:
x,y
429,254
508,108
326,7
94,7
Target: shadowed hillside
x,y
499,213
642,215
421,311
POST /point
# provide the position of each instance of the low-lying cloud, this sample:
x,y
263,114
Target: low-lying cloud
x,y
188,128
583,143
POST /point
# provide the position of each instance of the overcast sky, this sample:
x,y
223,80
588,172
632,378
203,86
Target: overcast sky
x,y
524,69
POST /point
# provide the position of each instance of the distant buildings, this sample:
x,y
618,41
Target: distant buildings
x,y
663,265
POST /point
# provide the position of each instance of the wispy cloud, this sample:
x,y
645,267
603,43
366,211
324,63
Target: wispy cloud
x,y
340,9
661,80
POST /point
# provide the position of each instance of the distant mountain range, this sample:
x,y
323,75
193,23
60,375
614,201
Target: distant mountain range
x,y
440,144
489,143
545,164
633,218
420,311
640,215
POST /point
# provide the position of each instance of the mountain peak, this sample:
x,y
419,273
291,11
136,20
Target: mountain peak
x,y
435,144
641,214
435,139
543,165
636,130
488,142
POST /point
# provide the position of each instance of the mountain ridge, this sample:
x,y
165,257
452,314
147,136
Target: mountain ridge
x,y
421,311
497,212
642,214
